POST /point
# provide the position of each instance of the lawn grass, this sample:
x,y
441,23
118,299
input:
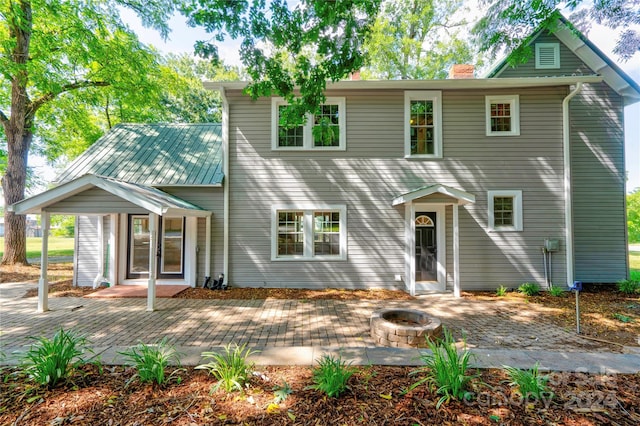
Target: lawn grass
x,y
634,265
58,246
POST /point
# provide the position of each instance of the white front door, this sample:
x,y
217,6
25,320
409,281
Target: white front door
x,y
426,260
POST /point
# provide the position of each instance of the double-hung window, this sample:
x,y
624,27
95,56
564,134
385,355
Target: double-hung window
x,y
325,130
309,233
505,210
423,124
503,115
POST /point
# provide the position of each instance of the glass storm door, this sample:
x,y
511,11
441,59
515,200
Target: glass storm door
x,y
170,249
426,247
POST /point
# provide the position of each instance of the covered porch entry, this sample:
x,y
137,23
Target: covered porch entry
x,y
144,235
426,237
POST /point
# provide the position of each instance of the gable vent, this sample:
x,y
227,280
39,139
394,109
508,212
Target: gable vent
x,y
547,55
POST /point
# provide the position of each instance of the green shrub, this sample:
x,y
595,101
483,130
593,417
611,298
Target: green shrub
x,y
529,289
634,275
446,370
556,291
231,368
151,362
50,361
628,286
530,383
501,291
332,375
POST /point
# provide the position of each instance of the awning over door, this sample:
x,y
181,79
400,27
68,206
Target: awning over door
x,y
148,198
457,196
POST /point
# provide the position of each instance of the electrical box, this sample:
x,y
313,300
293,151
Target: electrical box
x,y
552,244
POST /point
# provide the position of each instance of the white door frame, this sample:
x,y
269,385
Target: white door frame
x,y
410,258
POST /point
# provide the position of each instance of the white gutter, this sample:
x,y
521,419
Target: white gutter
x,y
225,162
568,203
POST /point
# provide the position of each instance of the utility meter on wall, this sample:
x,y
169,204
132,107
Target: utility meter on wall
x,y
552,244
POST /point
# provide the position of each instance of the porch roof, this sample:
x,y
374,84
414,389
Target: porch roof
x,y
145,197
462,197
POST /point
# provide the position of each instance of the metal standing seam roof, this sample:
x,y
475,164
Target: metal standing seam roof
x,y
154,155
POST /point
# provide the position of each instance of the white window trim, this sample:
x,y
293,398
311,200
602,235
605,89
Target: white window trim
x,y
308,210
517,210
308,127
556,54
514,100
420,95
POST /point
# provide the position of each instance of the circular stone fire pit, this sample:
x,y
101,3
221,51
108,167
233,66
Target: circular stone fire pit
x,y
404,328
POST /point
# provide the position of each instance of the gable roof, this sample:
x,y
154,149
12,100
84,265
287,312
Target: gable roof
x,y
148,198
588,53
154,155
462,197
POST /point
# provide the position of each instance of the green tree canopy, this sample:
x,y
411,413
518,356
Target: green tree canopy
x,y
633,216
286,48
417,39
508,23
49,48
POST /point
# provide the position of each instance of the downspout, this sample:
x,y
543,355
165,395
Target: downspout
x,y
225,160
568,202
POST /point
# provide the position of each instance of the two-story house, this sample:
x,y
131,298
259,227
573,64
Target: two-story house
x,y
459,184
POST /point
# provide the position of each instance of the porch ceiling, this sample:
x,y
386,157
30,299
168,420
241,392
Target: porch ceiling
x,y
458,196
145,197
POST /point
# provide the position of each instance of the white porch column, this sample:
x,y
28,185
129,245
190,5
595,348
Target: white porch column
x,y
207,250
113,249
43,285
456,253
153,261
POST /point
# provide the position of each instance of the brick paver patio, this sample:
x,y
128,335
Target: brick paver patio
x,y
274,323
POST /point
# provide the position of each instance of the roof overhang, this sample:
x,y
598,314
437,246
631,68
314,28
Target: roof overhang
x,y
450,84
592,56
460,197
145,197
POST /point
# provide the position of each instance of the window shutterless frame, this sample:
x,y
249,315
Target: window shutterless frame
x,y
502,115
423,124
501,212
308,232
326,131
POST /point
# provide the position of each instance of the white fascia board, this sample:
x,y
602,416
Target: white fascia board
x,y
461,196
451,84
175,211
35,204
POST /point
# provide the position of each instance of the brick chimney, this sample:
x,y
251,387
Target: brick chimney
x,y
355,75
461,71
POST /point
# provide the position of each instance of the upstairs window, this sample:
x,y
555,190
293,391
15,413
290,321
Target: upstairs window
x,y
505,210
547,56
325,130
423,124
309,233
503,115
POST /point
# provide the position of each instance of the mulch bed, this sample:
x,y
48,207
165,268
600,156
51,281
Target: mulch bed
x,y
376,397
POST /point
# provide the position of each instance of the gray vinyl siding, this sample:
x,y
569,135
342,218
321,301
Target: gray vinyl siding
x,y
86,202
372,172
87,253
211,199
598,177
598,183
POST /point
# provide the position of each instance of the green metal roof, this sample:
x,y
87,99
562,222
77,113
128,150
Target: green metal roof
x,y
154,155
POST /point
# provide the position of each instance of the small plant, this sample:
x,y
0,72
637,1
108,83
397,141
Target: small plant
x,y
628,286
501,291
556,291
331,375
49,361
281,393
530,383
446,370
529,289
623,318
151,362
231,368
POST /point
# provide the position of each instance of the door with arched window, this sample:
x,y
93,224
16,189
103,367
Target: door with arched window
x,y
426,251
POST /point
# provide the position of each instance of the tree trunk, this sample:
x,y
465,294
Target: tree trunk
x,y
19,135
